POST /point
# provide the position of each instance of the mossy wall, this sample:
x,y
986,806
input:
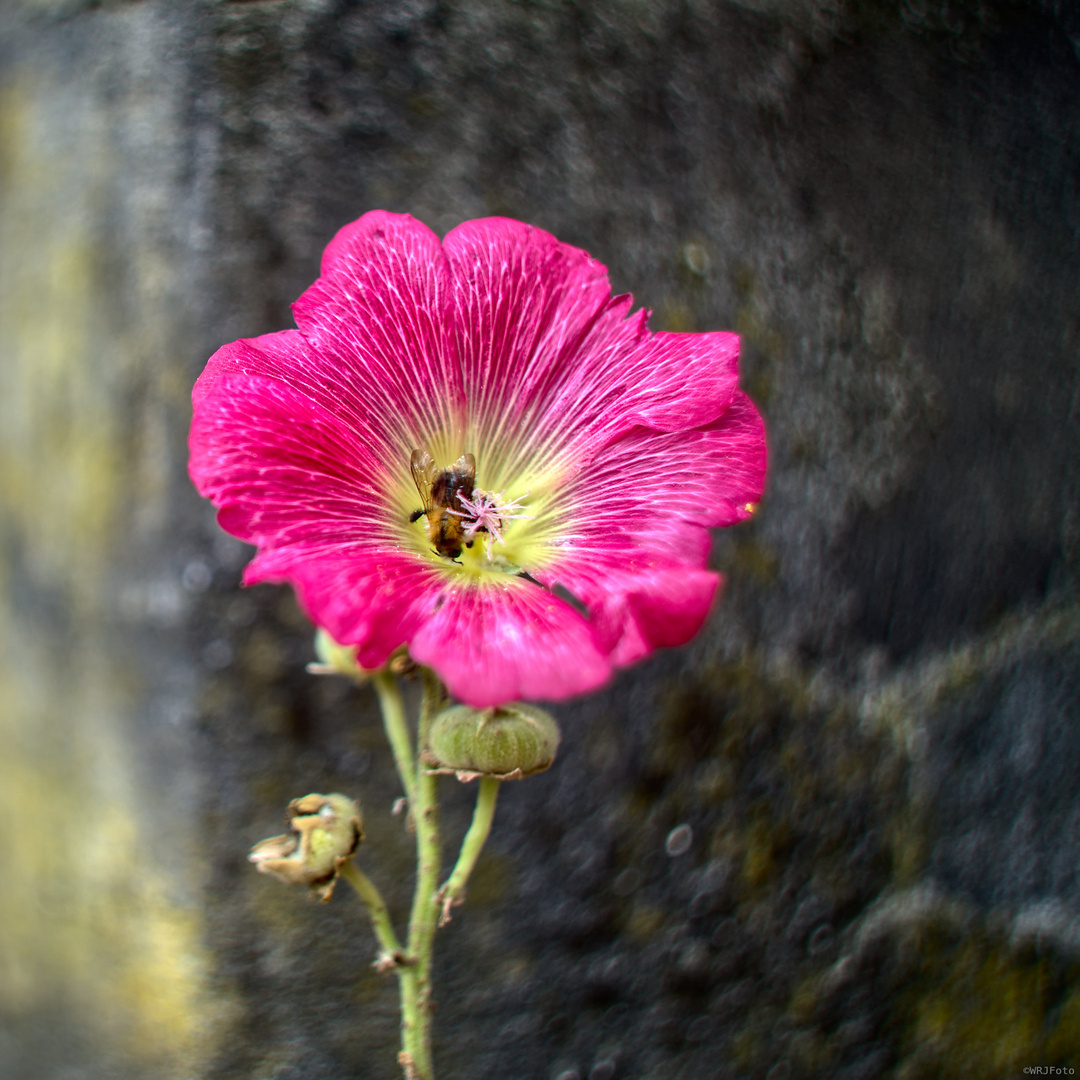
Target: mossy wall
x,y
836,836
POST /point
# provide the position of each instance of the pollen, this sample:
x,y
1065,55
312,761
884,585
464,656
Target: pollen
x,y
487,512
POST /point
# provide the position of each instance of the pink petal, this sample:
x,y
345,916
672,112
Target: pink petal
x,y
375,600
664,607
284,356
660,490
523,303
629,532
283,471
553,367
636,603
490,642
288,357
493,642
380,316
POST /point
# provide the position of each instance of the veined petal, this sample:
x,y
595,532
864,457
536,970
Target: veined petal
x,y
493,642
374,600
663,606
553,367
627,378
283,471
523,302
288,357
380,316
660,490
629,533
637,603
284,356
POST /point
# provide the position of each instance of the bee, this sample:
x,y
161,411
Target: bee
x,y
439,490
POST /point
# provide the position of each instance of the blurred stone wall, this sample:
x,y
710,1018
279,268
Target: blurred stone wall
x,y
871,754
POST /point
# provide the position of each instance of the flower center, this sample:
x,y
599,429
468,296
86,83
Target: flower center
x,y
488,513
465,524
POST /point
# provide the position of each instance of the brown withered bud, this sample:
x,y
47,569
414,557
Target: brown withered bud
x,y
324,833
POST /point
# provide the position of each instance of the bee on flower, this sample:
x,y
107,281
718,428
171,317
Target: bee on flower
x,y
542,425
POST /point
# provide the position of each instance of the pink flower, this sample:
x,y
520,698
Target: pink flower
x,y
603,453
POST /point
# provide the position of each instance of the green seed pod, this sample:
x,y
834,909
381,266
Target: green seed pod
x,y
325,831
507,743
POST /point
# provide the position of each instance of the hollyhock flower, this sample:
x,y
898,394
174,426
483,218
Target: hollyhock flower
x,y
577,460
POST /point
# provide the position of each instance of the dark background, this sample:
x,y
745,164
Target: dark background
x,y
875,742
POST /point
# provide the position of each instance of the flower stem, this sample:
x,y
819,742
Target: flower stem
x,y
452,891
413,964
416,1013
397,729
376,906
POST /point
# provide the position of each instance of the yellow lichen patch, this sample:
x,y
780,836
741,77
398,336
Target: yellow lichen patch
x,y
59,456
99,930
804,1000
751,322
979,1011
755,561
491,880
762,839
674,315
1063,1039
88,914
906,835
644,922
746,1047
168,1015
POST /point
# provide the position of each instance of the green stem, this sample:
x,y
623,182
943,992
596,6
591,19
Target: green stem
x,y
451,893
416,1013
397,729
393,956
412,1022
376,906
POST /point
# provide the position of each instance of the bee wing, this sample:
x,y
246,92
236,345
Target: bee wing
x,y
465,467
423,474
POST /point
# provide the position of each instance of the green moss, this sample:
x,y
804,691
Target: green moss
x,y
974,1009
674,315
763,841
644,922
907,841
91,914
754,560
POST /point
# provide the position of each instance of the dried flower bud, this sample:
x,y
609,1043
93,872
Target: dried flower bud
x,y
325,831
507,743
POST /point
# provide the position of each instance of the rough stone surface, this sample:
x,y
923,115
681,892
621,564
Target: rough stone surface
x,y
837,835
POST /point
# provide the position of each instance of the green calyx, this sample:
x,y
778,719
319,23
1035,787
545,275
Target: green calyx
x,y
506,743
335,659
